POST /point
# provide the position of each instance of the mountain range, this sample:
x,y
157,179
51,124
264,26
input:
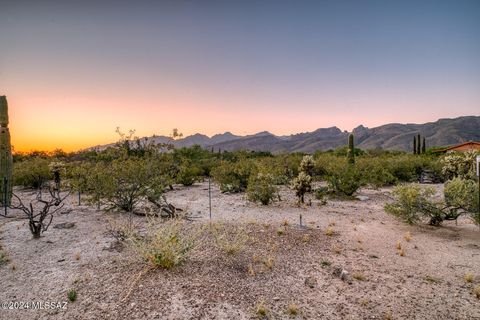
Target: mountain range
x,y
392,136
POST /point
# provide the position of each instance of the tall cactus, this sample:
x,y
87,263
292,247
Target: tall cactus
x,y
6,161
351,149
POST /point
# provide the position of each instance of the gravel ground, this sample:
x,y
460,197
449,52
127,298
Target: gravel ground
x,y
305,267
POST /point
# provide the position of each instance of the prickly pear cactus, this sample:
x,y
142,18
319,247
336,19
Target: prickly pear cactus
x,y
6,162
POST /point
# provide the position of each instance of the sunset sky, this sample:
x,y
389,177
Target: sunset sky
x,y
73,71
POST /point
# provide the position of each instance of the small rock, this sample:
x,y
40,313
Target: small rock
x,y
311,282
65,225
61,260
362,198
344,275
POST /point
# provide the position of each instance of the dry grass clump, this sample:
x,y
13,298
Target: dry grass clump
x,y
359,276
292,309
476,292
364,302
77,256
166,245
3,257
122,229
325,263
408,236
469,277
400,249
230,239
329,232
337,249
306,238
261,310
281,231
285,222
399,245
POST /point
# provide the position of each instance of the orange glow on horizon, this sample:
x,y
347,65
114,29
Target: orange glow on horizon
x,y
43,122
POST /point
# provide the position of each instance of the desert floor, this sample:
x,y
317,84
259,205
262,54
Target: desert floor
x,y
298,266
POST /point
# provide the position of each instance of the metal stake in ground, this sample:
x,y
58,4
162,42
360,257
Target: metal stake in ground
x,y
209,198
478,178
5,194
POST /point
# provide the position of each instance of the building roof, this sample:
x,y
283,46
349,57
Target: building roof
x,y
461,146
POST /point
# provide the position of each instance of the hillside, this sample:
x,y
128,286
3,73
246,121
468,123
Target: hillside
x,y
392,136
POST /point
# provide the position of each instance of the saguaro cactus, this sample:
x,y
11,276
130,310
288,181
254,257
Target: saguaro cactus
x,y
351,149
6,161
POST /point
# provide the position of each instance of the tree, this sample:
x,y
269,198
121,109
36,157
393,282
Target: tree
x,y
414,145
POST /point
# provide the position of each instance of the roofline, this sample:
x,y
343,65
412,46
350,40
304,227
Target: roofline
x,y
458,145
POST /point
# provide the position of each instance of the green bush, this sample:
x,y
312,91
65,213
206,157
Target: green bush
x,y
412,203
345,179
32,172
376,172
233,177
188,174
463,194
262,188
122,183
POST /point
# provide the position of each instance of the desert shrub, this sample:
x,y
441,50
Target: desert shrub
x,y
123,183
406,168
376,172
345,179
31,173
40,211
262,188
165,246
302,184
290,164
233,177
412,203
188,174
459,164
321,194
462,194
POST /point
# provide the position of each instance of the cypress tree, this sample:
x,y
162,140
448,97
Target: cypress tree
x,y
414,145
419,146
424,147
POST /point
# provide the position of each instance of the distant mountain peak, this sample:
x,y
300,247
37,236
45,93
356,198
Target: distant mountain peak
x,y
392,136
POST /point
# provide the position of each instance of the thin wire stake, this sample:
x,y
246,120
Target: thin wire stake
x,y
5,194
209,198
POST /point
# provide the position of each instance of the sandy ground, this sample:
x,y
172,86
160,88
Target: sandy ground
x,y
426,283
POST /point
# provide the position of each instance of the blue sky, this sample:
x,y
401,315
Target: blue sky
x,y
241,66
